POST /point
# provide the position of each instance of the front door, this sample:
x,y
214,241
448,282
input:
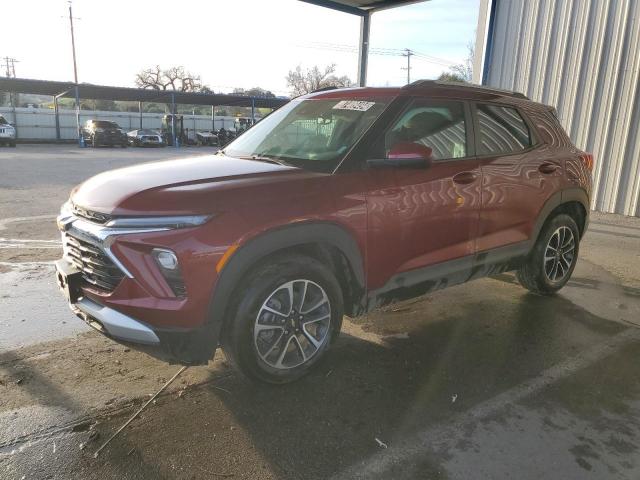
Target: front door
x,y
422,217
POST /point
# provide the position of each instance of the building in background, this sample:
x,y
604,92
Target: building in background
x,y
583,57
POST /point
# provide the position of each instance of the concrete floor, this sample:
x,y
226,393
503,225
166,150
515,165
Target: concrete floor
x,y
482,380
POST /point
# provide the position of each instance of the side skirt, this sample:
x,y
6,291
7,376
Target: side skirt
x,y
414,283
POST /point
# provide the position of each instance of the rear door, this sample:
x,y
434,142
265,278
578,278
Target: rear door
x,y
421,217
518,176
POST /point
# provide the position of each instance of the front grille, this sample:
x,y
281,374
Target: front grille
x,y
96,267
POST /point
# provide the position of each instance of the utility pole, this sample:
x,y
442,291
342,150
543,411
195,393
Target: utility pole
x,y
408,67
10,67
75,75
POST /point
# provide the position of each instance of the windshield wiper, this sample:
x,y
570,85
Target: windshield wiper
x,y
258,158
267,159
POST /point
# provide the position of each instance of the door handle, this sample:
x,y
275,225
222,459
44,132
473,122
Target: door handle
x,y
465,178
548,167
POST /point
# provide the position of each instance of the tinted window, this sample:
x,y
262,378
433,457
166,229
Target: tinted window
x,y
439,126
502,130
105,124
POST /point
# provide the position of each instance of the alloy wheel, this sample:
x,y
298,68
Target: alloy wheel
x,y
559,254
292,324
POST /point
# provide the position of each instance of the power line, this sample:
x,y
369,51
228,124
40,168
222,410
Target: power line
x,y
338,47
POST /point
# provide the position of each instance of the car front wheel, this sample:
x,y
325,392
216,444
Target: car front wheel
x,y
287,316
553,258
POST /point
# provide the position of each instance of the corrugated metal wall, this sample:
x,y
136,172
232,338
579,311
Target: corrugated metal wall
x,y
583,57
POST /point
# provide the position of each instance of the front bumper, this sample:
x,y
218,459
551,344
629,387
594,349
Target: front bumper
x,y
106,139
138,306
186,347
113,323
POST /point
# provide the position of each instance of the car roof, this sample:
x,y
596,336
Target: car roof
x,y
431,88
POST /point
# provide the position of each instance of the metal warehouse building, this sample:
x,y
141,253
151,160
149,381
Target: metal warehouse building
x,y
583,57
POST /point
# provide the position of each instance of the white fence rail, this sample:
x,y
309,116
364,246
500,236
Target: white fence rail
x,y
40,123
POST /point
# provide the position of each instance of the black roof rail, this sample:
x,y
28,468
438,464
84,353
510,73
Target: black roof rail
x,y
470,86
324,89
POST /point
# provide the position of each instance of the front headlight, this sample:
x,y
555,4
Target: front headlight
x,y
173,222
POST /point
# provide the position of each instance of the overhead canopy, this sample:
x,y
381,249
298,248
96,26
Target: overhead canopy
x,y
101,92
364,9
360,7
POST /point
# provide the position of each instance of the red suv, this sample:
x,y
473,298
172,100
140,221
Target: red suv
x,y
338,202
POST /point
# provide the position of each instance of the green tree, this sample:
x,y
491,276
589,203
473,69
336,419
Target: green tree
x,y
254,92
452,77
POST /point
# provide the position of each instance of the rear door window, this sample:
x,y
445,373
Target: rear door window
x,y
502,130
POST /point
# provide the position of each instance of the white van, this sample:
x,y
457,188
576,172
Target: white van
x,y
7,133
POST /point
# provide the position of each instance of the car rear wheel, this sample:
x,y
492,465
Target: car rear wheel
x,y
553,258
287,316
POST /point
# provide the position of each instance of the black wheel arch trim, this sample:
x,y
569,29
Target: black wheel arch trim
x,y
573,194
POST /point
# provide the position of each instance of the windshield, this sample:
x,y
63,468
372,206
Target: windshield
x,y
311,134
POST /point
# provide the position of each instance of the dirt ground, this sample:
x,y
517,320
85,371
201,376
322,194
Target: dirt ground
x,y
482,380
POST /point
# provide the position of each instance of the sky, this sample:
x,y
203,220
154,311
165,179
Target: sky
x,y
237,43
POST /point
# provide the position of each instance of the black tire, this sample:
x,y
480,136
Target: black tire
x,y
241,345
535,274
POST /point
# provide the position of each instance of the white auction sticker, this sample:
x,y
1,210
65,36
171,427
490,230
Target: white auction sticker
x,y
359,105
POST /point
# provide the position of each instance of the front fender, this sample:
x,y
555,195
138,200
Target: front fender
x,y
203,343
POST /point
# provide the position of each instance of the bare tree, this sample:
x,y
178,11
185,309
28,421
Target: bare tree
x,y
301,82
174,78
462,72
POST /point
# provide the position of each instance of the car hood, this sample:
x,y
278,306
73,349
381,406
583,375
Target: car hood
x,y
175,186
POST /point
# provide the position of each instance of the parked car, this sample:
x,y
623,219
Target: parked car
x,y
101,132
145,137
337,203
7,133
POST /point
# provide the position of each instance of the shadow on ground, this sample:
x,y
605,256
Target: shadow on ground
x,y
463,346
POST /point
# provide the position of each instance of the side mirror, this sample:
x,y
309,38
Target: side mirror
x,y
405,154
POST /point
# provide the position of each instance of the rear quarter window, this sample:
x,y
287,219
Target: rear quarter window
x,y
502,130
